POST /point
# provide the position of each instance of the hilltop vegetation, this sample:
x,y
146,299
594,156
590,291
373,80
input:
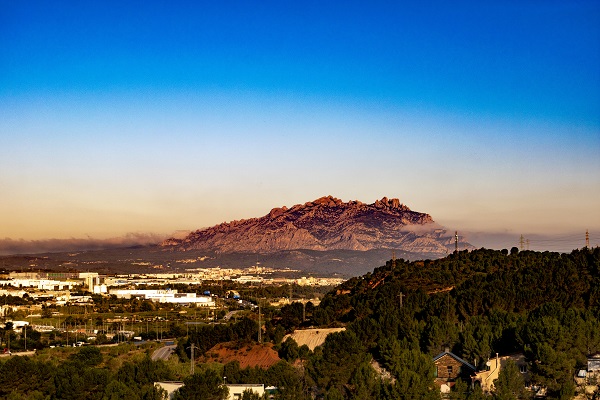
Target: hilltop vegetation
x,y
84,373
478,303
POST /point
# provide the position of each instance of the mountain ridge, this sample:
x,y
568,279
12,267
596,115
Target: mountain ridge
x,y
324,224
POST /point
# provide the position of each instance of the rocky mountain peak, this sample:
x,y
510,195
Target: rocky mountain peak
x,y
385,203
328,201
326,223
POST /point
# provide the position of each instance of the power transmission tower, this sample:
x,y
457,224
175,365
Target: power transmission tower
x,y
587,239
521,243
527,241
456,241
303,309
259,323
192,347
393,258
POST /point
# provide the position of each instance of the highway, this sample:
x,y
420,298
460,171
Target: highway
x,y
163,353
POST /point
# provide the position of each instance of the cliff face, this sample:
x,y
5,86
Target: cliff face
x,y
324,224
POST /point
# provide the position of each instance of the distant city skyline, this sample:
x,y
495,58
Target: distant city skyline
x,y
152,118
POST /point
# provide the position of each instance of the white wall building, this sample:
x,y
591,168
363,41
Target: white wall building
x,y
90,279
165,296
17,325
170,387
237,390
7,309
41,284
100,289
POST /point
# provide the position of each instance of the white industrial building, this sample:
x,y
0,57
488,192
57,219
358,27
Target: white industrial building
x,y
100,289
16,325
41,284
90,279
164,296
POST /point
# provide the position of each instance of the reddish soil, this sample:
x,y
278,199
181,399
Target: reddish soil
x,y
248,355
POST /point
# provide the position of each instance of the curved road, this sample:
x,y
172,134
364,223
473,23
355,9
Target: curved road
x,y
230,314
163,353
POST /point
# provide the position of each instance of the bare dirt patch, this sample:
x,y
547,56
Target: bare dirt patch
x,y
312,337
248,355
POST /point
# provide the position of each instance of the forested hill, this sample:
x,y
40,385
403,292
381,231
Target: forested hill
x,y
478,303
483,280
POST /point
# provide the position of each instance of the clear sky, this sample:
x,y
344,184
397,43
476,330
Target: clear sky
x,y
152,117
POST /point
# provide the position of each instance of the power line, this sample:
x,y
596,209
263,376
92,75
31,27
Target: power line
x,y
558,243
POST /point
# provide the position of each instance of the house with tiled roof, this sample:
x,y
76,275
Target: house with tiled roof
x,y
448,368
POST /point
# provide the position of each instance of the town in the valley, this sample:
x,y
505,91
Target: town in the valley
x,y
75,308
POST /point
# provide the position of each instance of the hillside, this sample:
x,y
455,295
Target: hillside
x,y
542,305
486,279
326,224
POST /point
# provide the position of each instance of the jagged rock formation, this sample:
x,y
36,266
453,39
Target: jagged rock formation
x,y
325,224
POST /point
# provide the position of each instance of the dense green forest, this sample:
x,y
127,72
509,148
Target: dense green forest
x,y
478,303
84,374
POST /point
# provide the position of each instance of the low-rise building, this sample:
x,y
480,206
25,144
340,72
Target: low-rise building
x,y
41,284
90,279
100,289
16,325
593,363
165,296
493,367
170,387
448,368
236,391
7,309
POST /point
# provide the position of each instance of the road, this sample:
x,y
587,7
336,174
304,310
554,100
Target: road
x,y
230,314
163,353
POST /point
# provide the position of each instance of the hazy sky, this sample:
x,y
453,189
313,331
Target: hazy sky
x,y
120,117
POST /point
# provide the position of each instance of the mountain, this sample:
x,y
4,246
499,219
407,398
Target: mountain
x,y
326,224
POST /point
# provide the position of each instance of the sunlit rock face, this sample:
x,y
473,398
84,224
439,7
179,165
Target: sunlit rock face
x,y
326,223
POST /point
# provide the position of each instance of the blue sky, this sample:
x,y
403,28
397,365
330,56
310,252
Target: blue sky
x,y
154,117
